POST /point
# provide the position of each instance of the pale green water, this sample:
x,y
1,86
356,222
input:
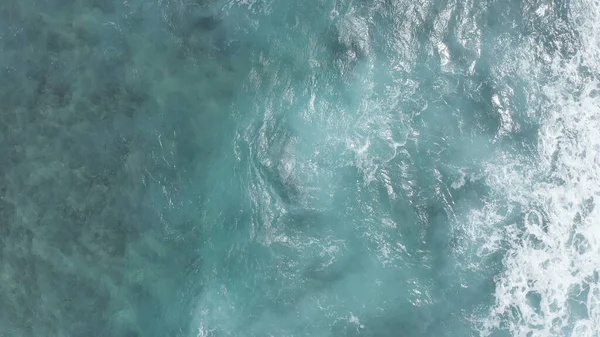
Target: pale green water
x,y
314,168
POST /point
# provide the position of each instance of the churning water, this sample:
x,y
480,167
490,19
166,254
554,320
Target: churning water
x,y
200,168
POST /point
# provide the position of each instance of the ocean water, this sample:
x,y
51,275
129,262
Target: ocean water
x,y
212,168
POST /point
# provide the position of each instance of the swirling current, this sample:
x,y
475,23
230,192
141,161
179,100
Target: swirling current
x,y
212,168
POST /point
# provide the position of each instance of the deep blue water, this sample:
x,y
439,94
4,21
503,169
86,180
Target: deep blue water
x,y
310,168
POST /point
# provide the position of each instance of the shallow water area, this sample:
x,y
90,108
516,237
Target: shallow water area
x,y
321,168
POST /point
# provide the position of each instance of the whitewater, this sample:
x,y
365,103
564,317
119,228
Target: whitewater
x,y
210,168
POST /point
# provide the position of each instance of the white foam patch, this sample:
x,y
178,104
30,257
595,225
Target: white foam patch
x,y
550,285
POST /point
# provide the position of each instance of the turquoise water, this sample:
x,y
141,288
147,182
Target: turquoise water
x,y
310,168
